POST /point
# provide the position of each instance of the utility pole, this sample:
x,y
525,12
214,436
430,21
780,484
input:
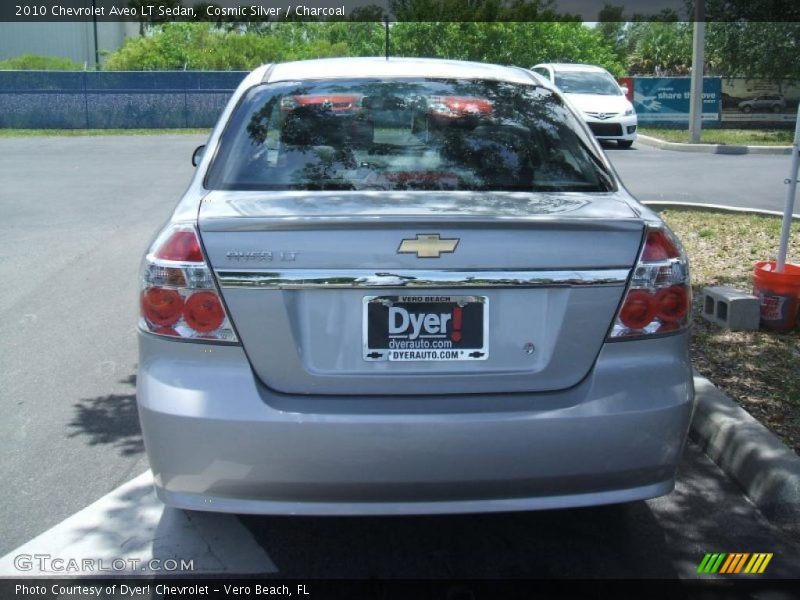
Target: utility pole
x,y
791,194
698,62
386,25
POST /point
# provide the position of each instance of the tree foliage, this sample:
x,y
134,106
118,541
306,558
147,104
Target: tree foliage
x,y
755,50
34,62
206,46
635,44
735,45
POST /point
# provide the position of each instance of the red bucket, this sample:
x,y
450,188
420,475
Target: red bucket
x,y
779,294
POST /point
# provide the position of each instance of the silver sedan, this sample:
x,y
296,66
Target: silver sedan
x,y
410,286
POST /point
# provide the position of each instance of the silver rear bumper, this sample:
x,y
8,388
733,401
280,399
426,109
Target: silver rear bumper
x,y
219,440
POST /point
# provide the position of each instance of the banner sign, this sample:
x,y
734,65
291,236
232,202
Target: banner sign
x,y
760,102
665,100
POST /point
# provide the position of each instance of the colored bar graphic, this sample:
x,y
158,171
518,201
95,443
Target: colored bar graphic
x,y
717,563
734,563
755,562
727,564
741,562
701,568
764,564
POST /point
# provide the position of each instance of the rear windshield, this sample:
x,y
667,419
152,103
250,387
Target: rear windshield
x,y
405,135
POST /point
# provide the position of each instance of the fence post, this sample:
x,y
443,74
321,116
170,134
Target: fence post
x,y
86,99
185,99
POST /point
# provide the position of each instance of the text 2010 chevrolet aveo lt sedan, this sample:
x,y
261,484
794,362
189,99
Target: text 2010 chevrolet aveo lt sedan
x,y
410,286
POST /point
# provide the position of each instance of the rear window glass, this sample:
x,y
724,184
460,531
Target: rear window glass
x,y
405,135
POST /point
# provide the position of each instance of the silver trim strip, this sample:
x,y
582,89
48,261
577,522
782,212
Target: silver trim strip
x,y
307,279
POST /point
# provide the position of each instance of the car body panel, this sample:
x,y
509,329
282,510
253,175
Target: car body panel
x,y
228,443
321,233
395,68
227,211
294,421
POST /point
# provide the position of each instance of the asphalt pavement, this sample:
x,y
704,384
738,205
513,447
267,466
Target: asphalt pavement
x,y
740,181
77,214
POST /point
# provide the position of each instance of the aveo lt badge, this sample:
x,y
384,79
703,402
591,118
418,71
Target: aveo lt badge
x,y
428,245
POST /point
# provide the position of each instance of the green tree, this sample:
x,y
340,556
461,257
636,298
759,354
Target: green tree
x,y
754,50
204,46
611,27
142,6
35,62
511,43
659,48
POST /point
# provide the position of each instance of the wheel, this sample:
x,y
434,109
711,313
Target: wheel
x,y
624,143
747,108
776,109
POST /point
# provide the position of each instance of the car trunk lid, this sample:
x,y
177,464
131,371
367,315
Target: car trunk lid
x,y
310,277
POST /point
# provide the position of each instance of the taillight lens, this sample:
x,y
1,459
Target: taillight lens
x,y
203,311
638,309
181,245
179,297
659,298
162,306
659,246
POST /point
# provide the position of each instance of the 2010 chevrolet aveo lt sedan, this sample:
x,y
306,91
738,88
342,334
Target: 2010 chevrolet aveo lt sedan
x,y
410,286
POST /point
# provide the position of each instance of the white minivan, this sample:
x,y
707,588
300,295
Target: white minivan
x,y
596,93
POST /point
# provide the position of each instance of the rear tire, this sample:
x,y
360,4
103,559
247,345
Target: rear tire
x,y
624,143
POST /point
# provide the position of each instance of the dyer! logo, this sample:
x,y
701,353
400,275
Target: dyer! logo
x,y
411,326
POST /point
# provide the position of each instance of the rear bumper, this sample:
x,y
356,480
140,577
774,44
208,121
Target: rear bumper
x,y
219,440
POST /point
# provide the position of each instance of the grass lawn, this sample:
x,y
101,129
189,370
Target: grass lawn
x,y
87,132
739,137
758,369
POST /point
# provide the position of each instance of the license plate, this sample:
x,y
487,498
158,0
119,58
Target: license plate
x,y
425,328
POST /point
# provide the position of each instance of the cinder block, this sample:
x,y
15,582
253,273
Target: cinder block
x,y
731,308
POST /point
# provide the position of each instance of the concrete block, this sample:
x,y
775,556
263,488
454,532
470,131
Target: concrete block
x,y
731,308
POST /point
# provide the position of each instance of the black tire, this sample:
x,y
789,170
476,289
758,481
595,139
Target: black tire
x,y
624,143
747,108
776,108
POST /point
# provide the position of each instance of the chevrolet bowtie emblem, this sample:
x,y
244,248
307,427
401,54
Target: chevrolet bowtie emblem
x,y
427,245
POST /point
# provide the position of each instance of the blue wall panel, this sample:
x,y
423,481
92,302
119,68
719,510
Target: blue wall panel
x,y
118,100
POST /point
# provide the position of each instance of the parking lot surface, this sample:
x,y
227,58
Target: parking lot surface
x,y
741,181
77,215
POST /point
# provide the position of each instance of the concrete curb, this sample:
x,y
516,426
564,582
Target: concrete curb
x,y
129,528
765,468
712,148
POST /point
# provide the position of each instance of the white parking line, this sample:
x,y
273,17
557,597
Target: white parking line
x,y
130,532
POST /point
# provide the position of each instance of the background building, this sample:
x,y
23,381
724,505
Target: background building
x,y
73,40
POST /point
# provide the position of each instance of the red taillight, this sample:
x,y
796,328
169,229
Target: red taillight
x,y
203,311
659,246
179,296
638,310
162,306
672,303
460,106
181,246
659,298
